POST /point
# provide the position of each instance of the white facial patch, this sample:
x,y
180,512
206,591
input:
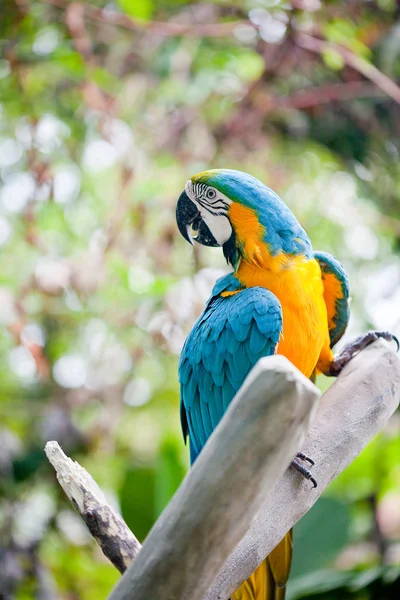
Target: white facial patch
x,y
213,206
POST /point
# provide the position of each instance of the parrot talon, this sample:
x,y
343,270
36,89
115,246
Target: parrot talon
x,y
354,347
303,456
396,339
304,471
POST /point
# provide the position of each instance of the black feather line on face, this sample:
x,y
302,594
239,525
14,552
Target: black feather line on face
x,y
231,252
214,209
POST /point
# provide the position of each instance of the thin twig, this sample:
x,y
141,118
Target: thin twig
x,y
324,94
169,29
358,63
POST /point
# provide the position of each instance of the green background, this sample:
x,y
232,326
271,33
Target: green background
x,y
103,117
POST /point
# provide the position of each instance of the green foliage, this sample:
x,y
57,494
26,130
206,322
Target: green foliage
x,y
169,473
141,9
101,124
138,509
346,584
329,519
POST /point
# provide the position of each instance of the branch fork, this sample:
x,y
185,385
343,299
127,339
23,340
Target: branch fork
x,y
239,499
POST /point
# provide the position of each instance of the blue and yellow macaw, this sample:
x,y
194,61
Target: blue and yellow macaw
x,y
281,298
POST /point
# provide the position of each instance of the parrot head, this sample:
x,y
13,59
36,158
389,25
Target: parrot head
x,y
234,210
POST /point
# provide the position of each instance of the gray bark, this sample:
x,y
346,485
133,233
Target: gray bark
x,y
104,523
208,541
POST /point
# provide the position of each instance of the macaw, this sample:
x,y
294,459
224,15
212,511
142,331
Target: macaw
x,y
281,298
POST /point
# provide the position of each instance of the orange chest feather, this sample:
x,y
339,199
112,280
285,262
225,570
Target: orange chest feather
x,y
298,286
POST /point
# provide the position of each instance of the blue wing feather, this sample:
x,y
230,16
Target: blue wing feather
x,y
206,417
240,330
197,421
228,392
257,340
219,377
225,343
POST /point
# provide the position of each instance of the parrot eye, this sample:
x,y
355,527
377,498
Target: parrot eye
x,y
211,194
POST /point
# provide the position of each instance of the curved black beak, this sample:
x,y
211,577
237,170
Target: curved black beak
x,y
189,219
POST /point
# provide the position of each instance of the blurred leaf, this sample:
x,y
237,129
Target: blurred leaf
x,y
363,580
169,472
77,569
137,500
320,535
333,60
379,582
345,33
69,60
317,582
27,465
141,9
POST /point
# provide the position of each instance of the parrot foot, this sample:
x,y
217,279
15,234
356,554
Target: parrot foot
x,y
297,466
303,456
354,347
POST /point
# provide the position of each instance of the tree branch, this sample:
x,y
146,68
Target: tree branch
x,y
104,523
358,63
324,94
241,463
164,28
349,414
210,521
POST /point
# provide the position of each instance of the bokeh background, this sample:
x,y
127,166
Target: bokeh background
x,y
106,109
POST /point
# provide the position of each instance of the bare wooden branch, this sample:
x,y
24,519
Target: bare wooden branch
x,y
382,81
236,475
318,95
166,28
349,414
103,521
241,463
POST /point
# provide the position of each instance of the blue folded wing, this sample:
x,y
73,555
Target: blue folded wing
x,y
336,294
227,340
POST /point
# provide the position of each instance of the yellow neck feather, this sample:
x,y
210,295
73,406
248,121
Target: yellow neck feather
x,y
298,286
